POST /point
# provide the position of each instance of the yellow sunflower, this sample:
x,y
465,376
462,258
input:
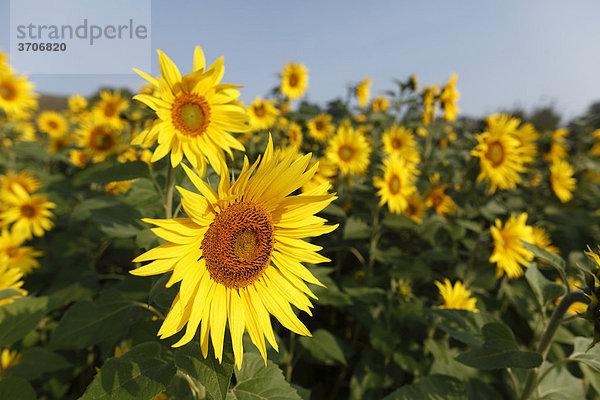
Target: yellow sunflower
x,y
561,178
321,128
26,179
52,123
542,239
416,207
401,141
28,214
238,254
10,278
19,257
16,94
108,109
448,99
98,139
294,80
77,103
262,114
362,92
380,104
440,201
195,113
118,187
429,104
509,252
326,172
349,150
397,184
79,158
558,149
500,156
527,135
9,359
456,297
294,135
413,83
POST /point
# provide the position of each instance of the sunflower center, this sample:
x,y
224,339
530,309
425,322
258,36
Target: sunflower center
x,y
53,125
394,184
191,114
11,251
7,91
495,153
237,245
28,210
396,143
110,109
346,153
293,80
259,110
319,125
100,139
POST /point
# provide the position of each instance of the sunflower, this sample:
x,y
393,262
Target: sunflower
x,y
397,184
413,83
262,114
52,123
429,104
118,187
77,103
380,104
19,257
320,128
456,297
416,207
294,134
26,179
26,131
349,150
542,239
98,139
9,359
500,156
401,141
294,81
440,201
10,278
108,109
448,99
238,254
4,62
558,148
362,92
326,171
561,178
527,135
28,214
194,114
509,252
16,94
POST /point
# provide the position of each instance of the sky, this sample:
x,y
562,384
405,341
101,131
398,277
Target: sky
x,y
506,54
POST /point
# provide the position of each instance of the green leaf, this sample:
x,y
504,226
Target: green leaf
x,y
7,293
490,357
20,317
324,347
545,290
432,387
461,325
255,381
86,324
330,294
16,389
36,362
398,222
334,210
139,374
214,376
581,353
559,384
355,228
108,171
553,259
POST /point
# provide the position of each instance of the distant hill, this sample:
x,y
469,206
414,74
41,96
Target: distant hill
x,y
53,103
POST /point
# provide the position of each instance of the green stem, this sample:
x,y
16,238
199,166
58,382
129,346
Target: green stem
x,y
170,185
555,321
290,365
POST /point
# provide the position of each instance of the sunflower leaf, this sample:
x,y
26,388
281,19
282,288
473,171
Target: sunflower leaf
x,y
324,347
430,388
18,318
16,389
108,171
556,261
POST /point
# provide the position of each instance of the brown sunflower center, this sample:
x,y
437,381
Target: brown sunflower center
x,y
110,109
259,110
191,114
11,251
394,184
53,125
396,143
495,153
101,139
346,153
237,245
28,210
319,125
293,80
7,91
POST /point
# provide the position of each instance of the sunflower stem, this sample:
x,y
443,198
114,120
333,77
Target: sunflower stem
x,y
555,321
169,190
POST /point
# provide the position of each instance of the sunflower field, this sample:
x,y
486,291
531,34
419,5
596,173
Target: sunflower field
x,y
178,244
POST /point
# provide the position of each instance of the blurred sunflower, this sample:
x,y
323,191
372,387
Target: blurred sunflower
x,y
195,113
500,157
16,94
118,187
397,184
108,109
98,139
429,104
527,136
77,103
416,207
325,173
380,104
294,135
509,252
262,114
18,256
448,99
542,239
456,297
26,179
9,359
28,214
440,201
398,140
559,148
362,92
349,150
294,80
78,158
561,178
52,123
238,254
10,278
321,128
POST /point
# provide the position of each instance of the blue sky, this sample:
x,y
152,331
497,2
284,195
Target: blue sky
x,y
506,53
